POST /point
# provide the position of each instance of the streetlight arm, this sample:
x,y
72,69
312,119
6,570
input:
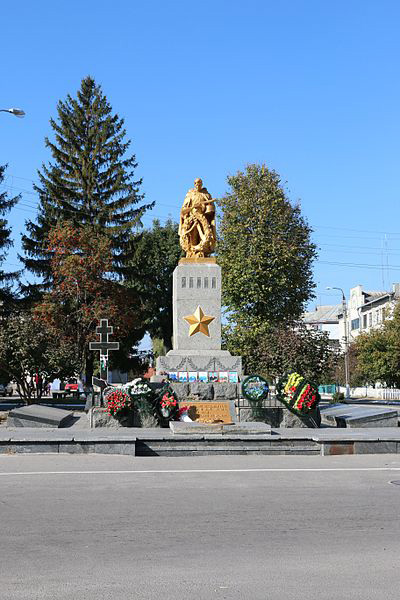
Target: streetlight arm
x,y
17,112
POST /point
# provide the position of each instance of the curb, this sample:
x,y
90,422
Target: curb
x,y
147,442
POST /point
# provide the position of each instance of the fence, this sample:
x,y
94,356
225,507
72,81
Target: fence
x,y
375,393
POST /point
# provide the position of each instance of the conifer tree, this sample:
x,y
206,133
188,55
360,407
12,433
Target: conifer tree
x,y
89,182
6,204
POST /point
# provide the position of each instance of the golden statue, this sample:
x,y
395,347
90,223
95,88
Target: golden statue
x,y
197,224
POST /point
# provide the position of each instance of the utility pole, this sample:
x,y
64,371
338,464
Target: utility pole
x,y
346,342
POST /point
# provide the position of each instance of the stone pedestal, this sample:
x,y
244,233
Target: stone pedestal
x,y
197,343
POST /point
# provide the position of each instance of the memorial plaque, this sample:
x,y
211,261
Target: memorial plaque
x,y
210,412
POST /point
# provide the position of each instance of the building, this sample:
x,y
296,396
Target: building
x,y
325,318
367,310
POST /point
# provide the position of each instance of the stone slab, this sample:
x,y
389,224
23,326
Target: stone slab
x,y
344,415
383,420
182,428
39,416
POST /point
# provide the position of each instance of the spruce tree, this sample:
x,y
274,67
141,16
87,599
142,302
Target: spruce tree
x,y
90,181
6,278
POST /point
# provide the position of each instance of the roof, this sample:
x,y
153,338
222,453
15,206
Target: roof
x,y
323,314
374,295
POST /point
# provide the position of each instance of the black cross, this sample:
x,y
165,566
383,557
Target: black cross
x,y
104,330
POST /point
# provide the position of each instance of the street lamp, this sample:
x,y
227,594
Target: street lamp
x,y
346,346
17,112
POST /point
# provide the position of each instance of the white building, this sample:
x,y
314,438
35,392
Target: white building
x,y
325,318
367,310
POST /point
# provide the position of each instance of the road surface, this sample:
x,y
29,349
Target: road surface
x,y
255,528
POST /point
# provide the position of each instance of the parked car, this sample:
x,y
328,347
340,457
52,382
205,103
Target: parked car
x,y
72,385
6,389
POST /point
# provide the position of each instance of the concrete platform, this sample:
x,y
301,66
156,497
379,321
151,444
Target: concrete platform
x,y
161,442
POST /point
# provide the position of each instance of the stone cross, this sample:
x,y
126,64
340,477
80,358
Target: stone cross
x,y
104,330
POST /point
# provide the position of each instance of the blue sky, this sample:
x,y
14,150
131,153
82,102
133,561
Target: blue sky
x,y
311,88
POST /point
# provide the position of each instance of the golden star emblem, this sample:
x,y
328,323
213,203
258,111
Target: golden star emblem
x,y
199,322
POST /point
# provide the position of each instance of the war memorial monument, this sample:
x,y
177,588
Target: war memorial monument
x,y
197,294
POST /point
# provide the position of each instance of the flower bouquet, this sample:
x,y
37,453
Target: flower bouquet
x,y
118,402
300,395
168,404
137,388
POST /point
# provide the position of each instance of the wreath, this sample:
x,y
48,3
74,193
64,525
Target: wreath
x,y
298,393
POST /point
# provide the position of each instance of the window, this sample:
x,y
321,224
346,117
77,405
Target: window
x,y
183,282
205,282
355,324
364,321
213,282
190,282
199,282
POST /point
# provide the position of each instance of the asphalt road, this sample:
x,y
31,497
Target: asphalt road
x,y
258,528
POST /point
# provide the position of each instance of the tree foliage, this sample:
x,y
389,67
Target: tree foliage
x,y
82,293
90,181
26,348
264,249
276,350
157,252
356,376
6,277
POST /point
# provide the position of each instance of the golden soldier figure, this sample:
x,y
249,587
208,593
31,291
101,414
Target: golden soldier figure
x,y
197,223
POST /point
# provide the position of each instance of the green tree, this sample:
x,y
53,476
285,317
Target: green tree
x,y
157,252
356,374
90,181
284,348
26,348
264,249
6,277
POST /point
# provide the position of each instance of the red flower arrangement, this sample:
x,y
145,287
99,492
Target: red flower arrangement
x,y
168,401
117,402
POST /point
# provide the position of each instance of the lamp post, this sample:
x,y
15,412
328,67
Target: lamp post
x,y
346,346
17,112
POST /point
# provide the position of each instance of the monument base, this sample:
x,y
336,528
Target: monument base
x,y
216,360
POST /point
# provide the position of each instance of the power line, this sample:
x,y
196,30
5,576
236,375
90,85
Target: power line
x,y
176,206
